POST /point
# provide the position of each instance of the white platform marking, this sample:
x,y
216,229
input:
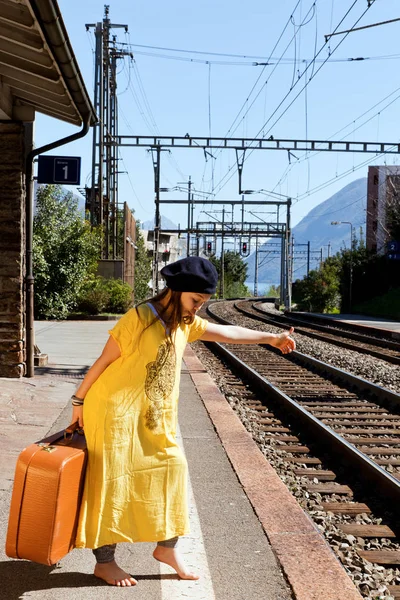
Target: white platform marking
x,y
194,553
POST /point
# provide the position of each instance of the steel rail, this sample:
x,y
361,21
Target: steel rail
x,y
366,329
345,452
388,398
327,438
338,328
278,320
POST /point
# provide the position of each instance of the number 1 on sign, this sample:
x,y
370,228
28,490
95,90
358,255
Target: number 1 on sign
x,y
65,169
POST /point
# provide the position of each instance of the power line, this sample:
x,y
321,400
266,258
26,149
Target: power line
x,y
274,61
265,133
290,166
329,35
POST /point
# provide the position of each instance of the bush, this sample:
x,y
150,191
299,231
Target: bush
x,y
104,295
93,298
319,290
120,296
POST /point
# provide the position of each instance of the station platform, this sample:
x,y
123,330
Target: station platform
x,y
368,323
249,537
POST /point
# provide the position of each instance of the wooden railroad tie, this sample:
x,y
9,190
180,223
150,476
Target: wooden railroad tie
x,y
346,508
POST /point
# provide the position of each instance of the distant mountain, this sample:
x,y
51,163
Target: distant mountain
x,y
166,224
349,204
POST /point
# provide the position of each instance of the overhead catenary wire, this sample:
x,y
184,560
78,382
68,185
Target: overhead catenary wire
x,y
272,62
231,130
338,178
264,133
315,154
215,155
225,179
143,104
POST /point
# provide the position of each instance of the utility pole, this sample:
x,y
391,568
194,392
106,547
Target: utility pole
x,y
101,197
157,218
256,269
222,283
288,269
189,215
308,257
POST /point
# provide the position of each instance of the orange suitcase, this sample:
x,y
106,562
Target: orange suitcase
x,y
46,497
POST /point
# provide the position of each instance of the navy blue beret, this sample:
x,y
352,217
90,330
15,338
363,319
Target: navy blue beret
x,y
191,274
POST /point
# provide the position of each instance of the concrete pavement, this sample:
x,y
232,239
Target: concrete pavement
x,y
227,543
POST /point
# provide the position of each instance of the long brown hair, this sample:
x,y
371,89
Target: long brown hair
x,y
170,313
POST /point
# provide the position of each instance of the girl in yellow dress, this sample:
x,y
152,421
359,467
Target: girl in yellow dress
x,y
135,486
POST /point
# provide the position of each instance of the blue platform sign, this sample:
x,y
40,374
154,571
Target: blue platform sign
x,y
393,255
392,247
65,170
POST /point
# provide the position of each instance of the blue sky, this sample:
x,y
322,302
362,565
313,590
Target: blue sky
x,y
205,97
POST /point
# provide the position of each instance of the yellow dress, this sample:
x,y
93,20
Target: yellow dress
x,y
136,480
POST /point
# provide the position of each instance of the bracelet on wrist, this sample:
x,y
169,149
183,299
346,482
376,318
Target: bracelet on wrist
x,y
76,401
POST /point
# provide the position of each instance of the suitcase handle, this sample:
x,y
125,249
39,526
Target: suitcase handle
x,y
65,437
70,430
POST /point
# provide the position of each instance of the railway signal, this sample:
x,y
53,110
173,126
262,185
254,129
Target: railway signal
x,y
209,248
245,249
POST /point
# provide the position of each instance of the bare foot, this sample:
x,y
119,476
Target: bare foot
x,y
113,575
172,557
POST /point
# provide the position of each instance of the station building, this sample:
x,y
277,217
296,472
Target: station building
x,y
171,248
38,72
383,194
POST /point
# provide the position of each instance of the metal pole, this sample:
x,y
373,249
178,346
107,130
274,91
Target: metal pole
x,y
308,257
288,303
291,257
256,268
222,283
98,73
351,268
113,162
157,220
189,211
191,219
107,149
321,259
282,284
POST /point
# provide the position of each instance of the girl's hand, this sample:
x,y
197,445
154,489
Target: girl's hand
x,y
77,415
284,342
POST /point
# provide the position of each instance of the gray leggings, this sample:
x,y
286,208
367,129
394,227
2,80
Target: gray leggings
x,y
106,554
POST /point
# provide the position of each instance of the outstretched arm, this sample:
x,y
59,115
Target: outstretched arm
x,y
240,335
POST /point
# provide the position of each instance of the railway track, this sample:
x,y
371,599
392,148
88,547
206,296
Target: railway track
x,y
324,421
387,350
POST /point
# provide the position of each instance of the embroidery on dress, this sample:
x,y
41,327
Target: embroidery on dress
x,y
160,380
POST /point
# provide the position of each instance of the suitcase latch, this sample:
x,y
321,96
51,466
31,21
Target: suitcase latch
x,y
47,448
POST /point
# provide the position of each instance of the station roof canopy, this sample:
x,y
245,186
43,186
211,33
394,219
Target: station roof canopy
x,y
38,68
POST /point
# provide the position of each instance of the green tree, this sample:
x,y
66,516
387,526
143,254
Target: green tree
x,y
235,274
143,268
319,290
65,252
372,275
273,291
